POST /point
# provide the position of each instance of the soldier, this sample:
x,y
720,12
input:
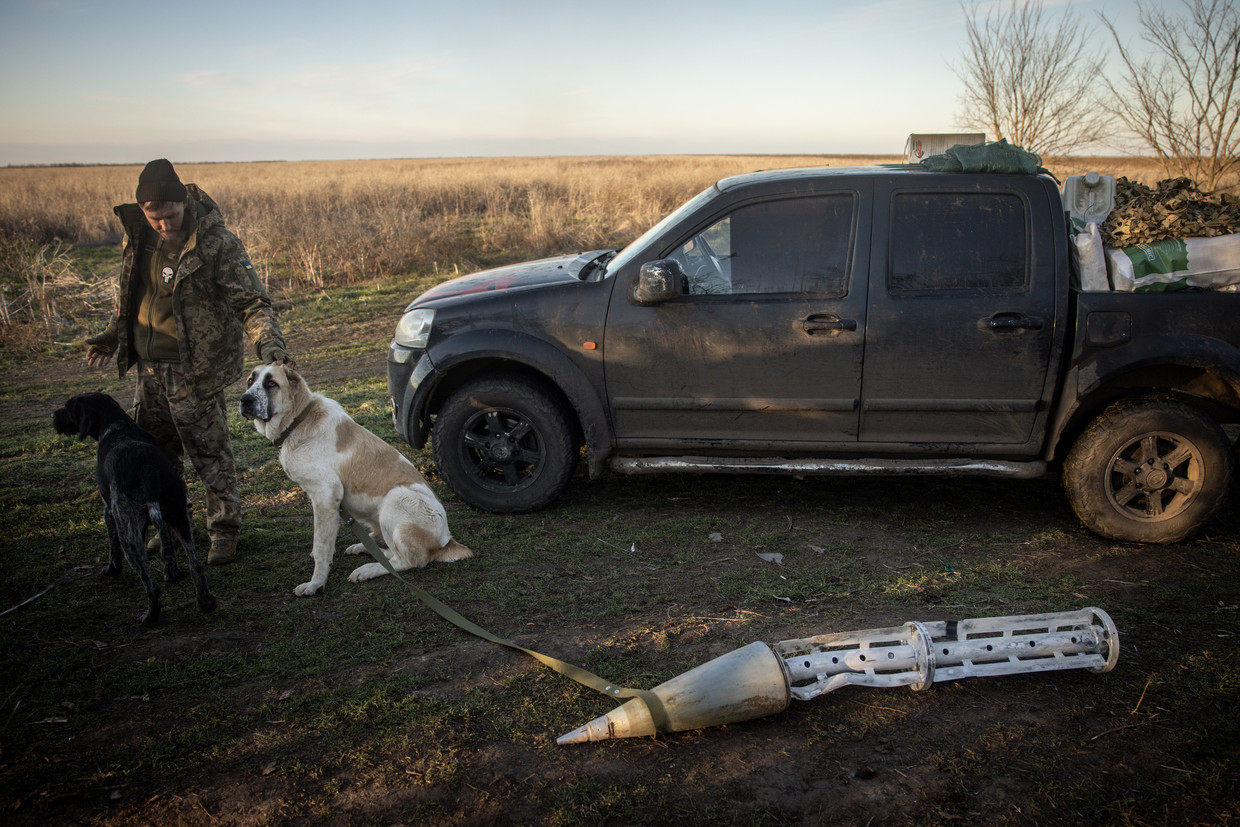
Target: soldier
x,y
187,302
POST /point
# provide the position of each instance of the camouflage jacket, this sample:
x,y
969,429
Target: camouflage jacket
x,y
218,302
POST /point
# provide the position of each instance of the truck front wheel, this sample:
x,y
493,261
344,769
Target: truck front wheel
x,y
504,445
1148,470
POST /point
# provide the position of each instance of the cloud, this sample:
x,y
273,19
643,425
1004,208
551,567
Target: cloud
x,y
336,99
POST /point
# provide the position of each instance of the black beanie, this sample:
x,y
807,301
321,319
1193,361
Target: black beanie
x,y
159,182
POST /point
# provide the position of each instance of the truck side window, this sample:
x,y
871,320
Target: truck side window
x,y
958,243
794,245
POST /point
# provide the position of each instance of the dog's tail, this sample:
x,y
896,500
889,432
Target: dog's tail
x,y
156,514
153,491
150,496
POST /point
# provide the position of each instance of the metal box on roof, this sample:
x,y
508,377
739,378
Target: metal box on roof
x,y
919,146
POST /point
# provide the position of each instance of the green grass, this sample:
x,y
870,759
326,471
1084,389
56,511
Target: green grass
x,y
363,706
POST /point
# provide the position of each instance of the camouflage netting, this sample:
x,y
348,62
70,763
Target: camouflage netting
x,y
1174,208
995,156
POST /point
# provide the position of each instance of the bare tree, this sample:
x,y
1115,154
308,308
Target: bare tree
x,y
1183,102
1031,79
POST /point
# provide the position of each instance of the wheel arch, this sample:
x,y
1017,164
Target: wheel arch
x,y
1204,373
468,356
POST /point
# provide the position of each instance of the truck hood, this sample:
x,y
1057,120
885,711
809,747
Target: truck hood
x,y
558,270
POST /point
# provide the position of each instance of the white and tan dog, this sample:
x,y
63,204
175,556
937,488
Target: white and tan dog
x,y
336,461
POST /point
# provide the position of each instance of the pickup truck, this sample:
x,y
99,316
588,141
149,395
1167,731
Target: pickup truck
x,y
865,320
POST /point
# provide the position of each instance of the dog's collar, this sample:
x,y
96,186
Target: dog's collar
x,y
297,420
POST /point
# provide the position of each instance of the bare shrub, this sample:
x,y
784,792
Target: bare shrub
x,y
44,297
1181,101
1028,77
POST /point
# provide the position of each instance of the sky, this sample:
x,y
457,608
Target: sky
x,y
124,81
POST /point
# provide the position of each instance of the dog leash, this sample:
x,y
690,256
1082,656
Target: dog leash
x,y
582,676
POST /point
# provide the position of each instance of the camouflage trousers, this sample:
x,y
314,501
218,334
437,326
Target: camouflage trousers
x,y
185,425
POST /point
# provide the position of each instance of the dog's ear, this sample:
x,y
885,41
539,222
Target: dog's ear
x,y
87,417
293,377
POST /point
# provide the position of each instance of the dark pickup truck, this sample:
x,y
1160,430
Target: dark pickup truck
x,y
868,320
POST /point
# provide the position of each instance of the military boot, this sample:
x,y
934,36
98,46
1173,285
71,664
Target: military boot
x,y
223,551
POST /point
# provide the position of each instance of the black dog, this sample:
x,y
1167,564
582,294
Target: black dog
x,y
139,488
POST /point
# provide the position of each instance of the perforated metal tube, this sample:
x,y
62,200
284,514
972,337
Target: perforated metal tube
x,y
919,654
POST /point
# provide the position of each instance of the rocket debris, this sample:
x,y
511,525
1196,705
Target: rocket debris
x,y
761,679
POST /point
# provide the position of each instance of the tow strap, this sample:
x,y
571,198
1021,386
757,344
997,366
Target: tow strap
x,y
576,673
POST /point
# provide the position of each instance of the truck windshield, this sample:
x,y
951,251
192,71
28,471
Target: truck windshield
x,y
636,247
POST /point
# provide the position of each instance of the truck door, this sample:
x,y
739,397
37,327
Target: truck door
x,y
765,348
961,316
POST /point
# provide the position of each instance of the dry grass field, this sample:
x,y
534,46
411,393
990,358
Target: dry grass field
x,y
310,224
332,222
348,221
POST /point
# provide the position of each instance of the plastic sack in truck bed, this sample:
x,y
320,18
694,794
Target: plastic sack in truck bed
x,y
1175,264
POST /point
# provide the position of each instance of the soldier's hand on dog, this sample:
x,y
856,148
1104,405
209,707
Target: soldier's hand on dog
x,y
276,356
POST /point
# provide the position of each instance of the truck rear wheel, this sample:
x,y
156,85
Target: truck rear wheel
x,y
504,445
1148,470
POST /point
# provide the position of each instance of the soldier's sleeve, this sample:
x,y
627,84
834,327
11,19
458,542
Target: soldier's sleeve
x,y
108,340
249,300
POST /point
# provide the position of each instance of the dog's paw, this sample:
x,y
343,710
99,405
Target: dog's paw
x,y
207,603
356,548
367,572
150,617
173,573
110,570
307,590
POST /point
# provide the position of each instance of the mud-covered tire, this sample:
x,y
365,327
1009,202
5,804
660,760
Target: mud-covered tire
x,y
504,445
1148,470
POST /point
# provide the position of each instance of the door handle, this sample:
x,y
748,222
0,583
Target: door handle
x,y
1011,321
826,323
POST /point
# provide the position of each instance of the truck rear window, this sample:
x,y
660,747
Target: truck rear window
x,y
958,243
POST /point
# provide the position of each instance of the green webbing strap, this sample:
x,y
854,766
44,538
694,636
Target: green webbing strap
x,y
581,676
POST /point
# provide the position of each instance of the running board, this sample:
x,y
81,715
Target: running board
x,y
875,467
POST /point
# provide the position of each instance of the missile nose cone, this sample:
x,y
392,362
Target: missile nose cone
x,y
744,684
629,720
596,730
580,735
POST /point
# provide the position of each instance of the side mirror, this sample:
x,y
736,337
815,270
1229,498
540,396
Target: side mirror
x,y
659,281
